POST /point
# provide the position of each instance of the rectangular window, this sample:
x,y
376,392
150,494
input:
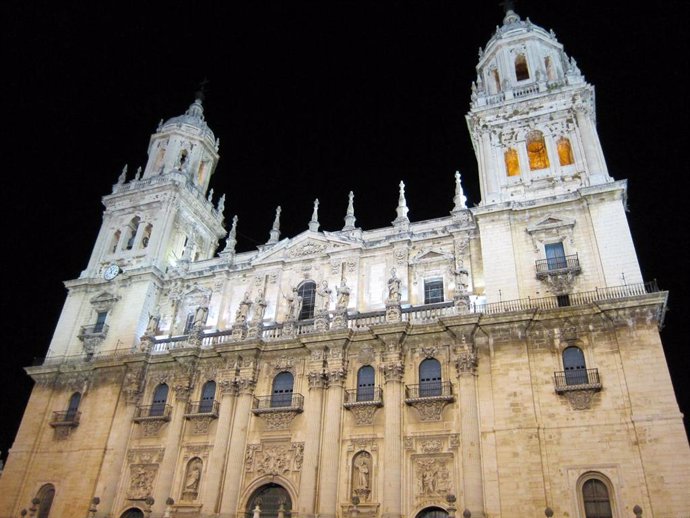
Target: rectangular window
x,y
189,323
100,321
555,256
433,291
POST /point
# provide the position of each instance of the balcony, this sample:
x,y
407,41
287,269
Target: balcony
x,y
363,403
205,407
155,412
578,386
557,266
578,379
278,410
429,398
68,418
98,331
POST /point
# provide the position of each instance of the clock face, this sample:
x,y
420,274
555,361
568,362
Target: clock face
x,y
111,272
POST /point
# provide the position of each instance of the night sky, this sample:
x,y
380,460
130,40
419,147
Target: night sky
x,y
309,99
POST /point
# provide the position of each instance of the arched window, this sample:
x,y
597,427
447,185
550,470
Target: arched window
x,y
73,406
574,366
208,396
536,150
429,378
147,236
307,290
160,398
282,390
565,152
432,512
512,162
495,81
596,496
269,499
115,241
365,383
132,513
521,70
45,496
132,229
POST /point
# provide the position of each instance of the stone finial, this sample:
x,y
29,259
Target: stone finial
x,y
402,220
210,195
466,514
350,214
221,205
123,176
638,511
274,235
231,240
137,176
460,200
548,512
314,223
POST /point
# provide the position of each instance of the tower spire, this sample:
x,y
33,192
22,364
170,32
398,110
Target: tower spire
x,y
314,223
460,200
402,221
275,231
350,214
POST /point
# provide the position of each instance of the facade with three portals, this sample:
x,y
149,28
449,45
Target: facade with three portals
x,y
501,361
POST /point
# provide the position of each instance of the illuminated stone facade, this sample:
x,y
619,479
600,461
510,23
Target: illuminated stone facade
x,y
503,359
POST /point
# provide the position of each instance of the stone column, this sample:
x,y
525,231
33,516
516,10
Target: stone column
x,y
114,459
163,487
466,364
330,447
216,459
312,443
238,440
590,143
393,371
489,169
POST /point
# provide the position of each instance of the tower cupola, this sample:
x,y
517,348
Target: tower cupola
x,y
184,144
532,117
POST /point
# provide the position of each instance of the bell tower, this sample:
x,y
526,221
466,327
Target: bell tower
x,y
532,117
155,225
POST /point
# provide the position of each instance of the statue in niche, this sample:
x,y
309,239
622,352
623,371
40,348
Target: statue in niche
x,y
343,295
200,316
394,294
294,305
152,326
243,310
192,478
361,475
260,307
325,293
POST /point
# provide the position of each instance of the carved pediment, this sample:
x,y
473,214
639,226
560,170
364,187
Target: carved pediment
x,y
431,255
550,222
307,244
104,301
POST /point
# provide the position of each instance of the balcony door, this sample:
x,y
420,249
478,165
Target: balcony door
x,y
555,256
365,383
429,378
574,366
73,406
208,395
282,390
160,398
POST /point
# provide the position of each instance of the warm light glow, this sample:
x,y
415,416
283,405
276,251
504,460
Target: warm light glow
x,y
512,163
536,151
565,152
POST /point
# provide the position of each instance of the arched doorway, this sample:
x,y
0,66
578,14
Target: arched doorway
x,y
268,498
432,512
132,513
45,496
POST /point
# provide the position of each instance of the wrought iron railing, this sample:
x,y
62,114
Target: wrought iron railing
x,y
65,418
93,330
278,403
155,411
577,379
555,265
203,407
429,389
364,396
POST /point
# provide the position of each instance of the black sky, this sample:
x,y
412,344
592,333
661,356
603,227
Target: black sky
x,y
309,99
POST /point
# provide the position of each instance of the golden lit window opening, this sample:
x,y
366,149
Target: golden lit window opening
x,y
521,70
565,152
512,163
536,151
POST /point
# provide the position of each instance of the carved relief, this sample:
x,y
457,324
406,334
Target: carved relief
x,y
274,458
364,415
308,248
393,371
430,410
200,423
142,477
152,427
278,420
433,476
580,399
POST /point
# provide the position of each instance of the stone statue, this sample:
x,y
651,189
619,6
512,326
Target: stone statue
x,y
343,295
200,316
123,176
260,308
325,293
221,204
210,195
191,481
152,326
294,305
243,310
362,467
394,294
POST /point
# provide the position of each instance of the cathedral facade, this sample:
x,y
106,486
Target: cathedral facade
x,y
501,361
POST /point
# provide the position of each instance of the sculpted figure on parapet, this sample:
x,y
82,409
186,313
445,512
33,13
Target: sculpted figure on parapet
x,y
394,294
325,293
343,292
243,310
